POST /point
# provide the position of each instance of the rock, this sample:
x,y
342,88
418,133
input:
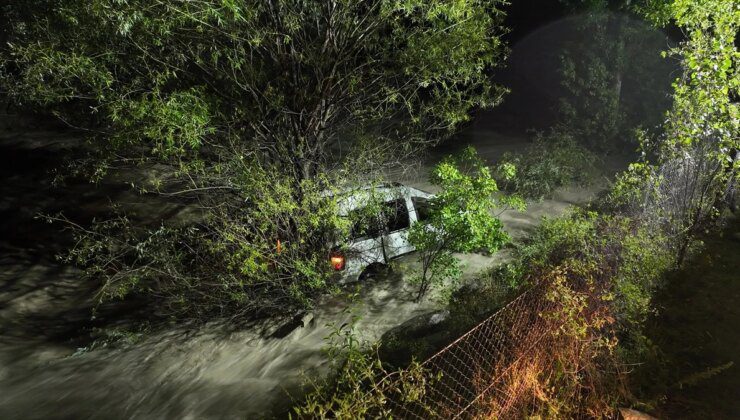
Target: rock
x,y
308,320
423,324
287,327
284,329
438,317
418,338
630,414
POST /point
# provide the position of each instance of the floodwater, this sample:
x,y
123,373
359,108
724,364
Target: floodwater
x,y
697,332
184,372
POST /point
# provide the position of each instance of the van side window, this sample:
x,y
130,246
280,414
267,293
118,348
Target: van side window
x,y
396,215
421,205
364,226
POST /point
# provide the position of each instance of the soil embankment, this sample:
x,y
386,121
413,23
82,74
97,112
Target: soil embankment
x,y
697,334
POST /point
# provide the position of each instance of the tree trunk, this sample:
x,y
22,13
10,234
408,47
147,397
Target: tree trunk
x,y
618,69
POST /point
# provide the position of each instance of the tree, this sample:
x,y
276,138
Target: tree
x,y
688,173
704,117
252,110
293,82
613,75
460,218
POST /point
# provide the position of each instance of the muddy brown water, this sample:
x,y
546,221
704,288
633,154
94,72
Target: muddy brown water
x,y
182,372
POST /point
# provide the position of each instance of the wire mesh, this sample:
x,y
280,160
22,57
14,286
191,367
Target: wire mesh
x,y
474,376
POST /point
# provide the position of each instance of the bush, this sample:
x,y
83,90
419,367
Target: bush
x,y
601,272
459,220
552,161
260,250
682,195
624,257
360,386
629,257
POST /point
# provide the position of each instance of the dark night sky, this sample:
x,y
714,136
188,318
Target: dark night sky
x,y
524,16
533,54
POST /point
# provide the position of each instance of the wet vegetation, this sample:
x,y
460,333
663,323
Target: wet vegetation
x,y
251,111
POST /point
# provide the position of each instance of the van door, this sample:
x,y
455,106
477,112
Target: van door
x,y
397,222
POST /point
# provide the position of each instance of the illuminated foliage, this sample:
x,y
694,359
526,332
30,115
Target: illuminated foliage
x,y
460,219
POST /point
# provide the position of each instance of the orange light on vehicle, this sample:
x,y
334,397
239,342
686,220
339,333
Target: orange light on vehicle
x,y
337,261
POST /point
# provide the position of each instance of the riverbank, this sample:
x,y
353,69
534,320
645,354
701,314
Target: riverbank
x,y
696,370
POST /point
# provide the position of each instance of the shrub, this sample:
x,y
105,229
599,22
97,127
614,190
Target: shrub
x,y
261,249
601,272
575,374
360,386
629,257
459,220
682,194
554,160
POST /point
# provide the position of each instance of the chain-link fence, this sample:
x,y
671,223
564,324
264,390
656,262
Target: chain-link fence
x,y
484,373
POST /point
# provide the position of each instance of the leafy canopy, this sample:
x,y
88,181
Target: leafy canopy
x,y
251,110
290,81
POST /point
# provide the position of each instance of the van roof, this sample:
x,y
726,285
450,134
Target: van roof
x,y
358,197
384,185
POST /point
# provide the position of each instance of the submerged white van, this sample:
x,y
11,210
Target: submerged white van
x,y
372,245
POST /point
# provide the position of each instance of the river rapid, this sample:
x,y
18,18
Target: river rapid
x,y
47,368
